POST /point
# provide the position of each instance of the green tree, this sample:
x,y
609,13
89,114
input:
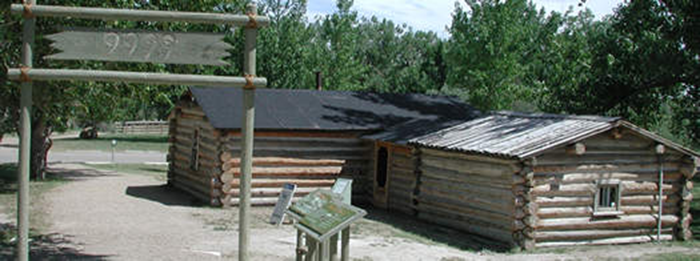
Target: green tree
x,y
492,48
55,103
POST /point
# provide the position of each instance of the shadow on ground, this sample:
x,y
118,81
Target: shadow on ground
x,y
436,233
44,247
77,174
164,194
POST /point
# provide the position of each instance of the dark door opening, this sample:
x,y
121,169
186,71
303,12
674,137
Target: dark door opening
x,y
382,168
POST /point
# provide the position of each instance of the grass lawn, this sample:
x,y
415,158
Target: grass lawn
x,y
104,143
158,172
8,201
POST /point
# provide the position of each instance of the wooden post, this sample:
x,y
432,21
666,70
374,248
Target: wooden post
x,y
323,255
312,245
301,251
345,244
660,149
25,139
251,33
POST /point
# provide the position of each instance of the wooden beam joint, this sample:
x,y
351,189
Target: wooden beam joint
x,y
27,10
576,149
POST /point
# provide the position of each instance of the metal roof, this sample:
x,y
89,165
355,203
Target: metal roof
x,y
515,135
284,109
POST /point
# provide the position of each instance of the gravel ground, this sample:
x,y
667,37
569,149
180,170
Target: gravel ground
x,y
112,216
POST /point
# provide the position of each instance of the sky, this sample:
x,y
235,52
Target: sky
x,y
436,15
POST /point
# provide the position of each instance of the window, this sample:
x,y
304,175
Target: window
x,y
382,161
607,198
194,157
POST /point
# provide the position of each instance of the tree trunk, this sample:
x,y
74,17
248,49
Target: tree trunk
x,y
40,146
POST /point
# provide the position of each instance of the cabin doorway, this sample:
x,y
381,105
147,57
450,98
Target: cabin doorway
x,y
382,157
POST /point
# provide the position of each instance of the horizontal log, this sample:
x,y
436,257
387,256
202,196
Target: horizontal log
x,y
550,190
628,188
643,200
274,183
273,192
621,222
554,159
571,178
605,168
587,211
607,241
449,175
584,235
195,110
466,189
463,156
285,171
625,142
465,213
277,161
500,207
257,201
470,167
323,152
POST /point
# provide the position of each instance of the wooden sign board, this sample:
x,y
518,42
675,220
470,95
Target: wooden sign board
x,y
283,202
139,46
322,214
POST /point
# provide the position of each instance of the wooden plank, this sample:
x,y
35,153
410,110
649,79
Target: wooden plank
x,y
140,15
135,77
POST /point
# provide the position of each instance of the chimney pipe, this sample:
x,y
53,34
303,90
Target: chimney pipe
x,y
319,81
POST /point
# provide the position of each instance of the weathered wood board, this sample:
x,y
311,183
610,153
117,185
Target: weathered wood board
x,y
139,46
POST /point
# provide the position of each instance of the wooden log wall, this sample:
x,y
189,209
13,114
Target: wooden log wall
x,y
202,182
310,160
401,179
565,186
470,193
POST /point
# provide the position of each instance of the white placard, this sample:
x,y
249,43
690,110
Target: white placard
x,y
283,202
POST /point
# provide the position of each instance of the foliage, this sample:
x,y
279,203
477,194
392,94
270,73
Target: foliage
x,y
640,63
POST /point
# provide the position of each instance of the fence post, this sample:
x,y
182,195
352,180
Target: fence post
x,y
251,33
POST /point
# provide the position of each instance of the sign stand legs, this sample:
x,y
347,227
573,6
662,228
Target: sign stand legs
x,y
345,244
334,247
312,244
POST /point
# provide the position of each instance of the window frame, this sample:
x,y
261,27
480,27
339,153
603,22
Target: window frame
x,y
599,210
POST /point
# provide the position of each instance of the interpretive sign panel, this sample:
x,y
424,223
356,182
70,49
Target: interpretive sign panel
x,y
322,214
283,203
139,46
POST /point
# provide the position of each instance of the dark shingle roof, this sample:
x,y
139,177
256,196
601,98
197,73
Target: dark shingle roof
x,y
283,109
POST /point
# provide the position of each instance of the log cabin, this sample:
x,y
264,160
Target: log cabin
x,y
305,137
540,180
521,180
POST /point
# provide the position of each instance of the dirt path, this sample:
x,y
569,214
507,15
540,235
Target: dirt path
x,y
132,217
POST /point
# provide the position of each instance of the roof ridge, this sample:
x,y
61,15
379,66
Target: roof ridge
x,y
542,115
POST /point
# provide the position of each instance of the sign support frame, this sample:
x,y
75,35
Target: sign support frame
x,y
30,11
